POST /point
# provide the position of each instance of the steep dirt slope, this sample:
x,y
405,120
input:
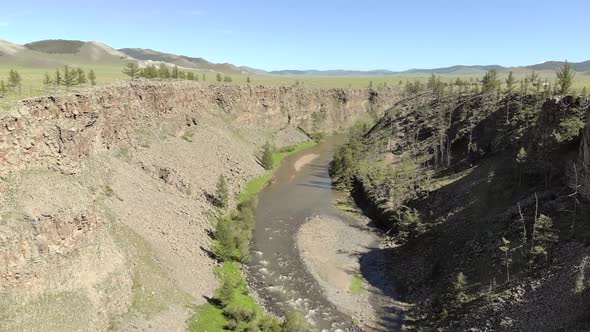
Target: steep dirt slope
x,y
103,195
449,177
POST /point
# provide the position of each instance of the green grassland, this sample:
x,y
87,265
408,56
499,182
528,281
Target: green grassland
x,y
110,72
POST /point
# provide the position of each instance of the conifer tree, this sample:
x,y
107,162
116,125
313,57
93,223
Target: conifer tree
x,y
219,77
460,289
509,83
267,159
3,88
70,77
222,192
175,73
132,70
81,76
47,80
92,77
490,81
565,78
15,80
58,78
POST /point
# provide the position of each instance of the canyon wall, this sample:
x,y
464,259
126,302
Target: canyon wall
x,y
48,129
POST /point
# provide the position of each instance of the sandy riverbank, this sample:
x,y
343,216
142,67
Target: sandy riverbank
x,y
304,160
331,249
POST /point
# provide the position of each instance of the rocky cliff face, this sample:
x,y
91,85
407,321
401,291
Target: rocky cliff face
x,y
104,215
50,130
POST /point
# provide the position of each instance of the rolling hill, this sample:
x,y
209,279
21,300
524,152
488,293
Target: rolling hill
x,y
51,53
183,61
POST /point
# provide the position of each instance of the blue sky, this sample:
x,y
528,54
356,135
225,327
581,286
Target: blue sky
x,y
304,34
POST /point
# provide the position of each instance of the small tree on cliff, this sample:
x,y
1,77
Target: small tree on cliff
x,y
58,79
15,80
3,88
565,78
92,77
490,81
132,70
460,290
47,80
222,192
267,159
507,259
81,76
510,83
70,77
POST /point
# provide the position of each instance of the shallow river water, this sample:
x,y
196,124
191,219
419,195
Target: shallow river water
x,y
276,272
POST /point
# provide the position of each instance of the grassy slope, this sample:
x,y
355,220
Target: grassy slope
x,y
209,317
254,186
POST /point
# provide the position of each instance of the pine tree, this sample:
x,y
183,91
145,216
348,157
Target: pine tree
x,y
460,289
163,72
509,83
219,77
15,80
204,78
81,76
565,78
175,73
132,70
70,77
190,76
544,235
92,77
248,79
490,81
47,80
58,78
3,88
222,192
267,159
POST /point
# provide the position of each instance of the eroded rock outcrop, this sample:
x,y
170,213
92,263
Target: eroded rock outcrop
x,y
59,130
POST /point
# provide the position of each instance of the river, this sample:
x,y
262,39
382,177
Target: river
x,y
277,273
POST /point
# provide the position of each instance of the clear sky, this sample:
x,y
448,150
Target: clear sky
x,y
306,34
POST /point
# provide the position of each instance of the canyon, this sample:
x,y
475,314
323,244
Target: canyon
x,y
104,194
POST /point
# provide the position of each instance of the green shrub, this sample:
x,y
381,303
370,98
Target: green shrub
x,y
295,322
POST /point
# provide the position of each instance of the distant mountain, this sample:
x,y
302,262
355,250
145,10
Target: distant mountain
x,y
254,70
341,72
554,65
458,70
183,61
59,52
51,53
